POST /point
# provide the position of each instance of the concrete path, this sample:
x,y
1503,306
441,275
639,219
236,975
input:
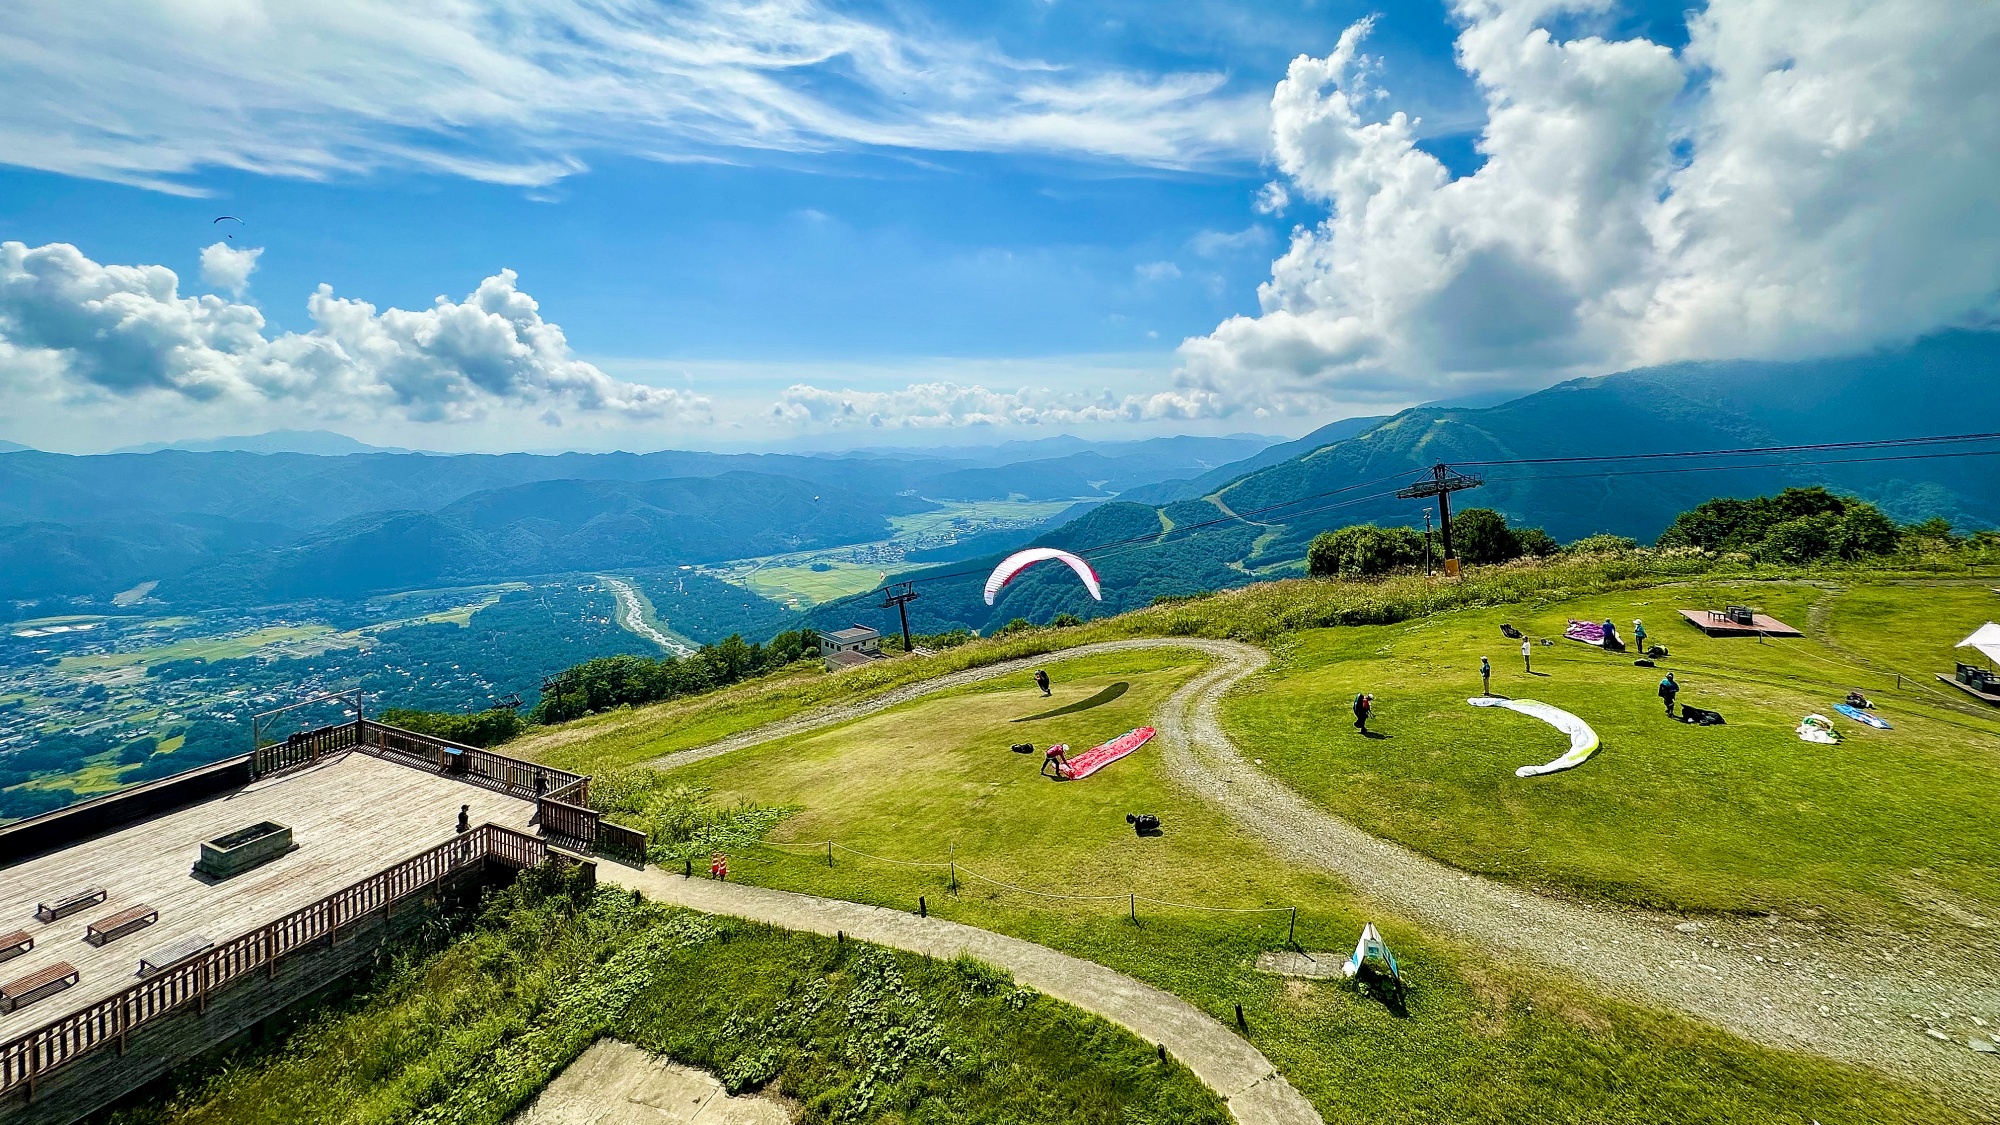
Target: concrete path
x,y
1223,1060
1780,985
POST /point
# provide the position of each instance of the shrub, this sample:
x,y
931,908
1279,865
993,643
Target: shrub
x,y
1534,541
1481,536
1363,550
1602,544
1065,621
484,728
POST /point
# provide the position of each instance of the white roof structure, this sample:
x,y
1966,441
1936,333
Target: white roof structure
x,y
1986,639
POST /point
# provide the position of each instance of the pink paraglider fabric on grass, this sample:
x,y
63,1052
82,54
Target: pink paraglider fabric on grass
x,y
1589,632
1012,566
1097,757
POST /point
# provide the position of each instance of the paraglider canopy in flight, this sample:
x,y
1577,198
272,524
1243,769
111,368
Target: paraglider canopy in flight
x,y
1014,564
231,218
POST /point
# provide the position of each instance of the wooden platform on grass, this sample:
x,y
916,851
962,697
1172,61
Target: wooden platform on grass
x,y
351,816
1716,625
1969,690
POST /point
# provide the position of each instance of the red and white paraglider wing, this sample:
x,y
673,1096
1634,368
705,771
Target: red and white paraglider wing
x,y
1014,564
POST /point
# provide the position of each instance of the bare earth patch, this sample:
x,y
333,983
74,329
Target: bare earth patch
x,y
616,1083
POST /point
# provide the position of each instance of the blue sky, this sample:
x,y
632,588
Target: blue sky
x,y
1030,194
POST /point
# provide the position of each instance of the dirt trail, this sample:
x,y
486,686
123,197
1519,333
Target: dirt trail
x,y
1224,1061
1880,1002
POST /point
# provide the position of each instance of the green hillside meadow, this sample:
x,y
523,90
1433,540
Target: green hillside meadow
x,y
1740,818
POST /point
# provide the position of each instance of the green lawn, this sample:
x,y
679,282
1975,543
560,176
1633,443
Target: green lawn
x,y
935,781
1889,826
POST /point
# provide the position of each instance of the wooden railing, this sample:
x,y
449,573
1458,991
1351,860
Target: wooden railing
x,y
304,749
471,764
574,823
29,1058
620,842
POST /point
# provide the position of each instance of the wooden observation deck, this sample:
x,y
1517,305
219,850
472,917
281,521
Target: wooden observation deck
x,y
374,813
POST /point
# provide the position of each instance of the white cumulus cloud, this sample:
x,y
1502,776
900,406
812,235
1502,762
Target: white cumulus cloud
x,y
942,405
1801,179
71,326
229,267
524,91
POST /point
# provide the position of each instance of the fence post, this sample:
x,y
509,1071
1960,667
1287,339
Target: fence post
x,y
1292,935
829,853
1135,908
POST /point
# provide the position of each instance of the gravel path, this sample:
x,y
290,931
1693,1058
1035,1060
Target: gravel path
x,y
1887,1002
1256,1093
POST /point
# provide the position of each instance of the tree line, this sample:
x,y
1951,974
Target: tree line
x,y
1799,526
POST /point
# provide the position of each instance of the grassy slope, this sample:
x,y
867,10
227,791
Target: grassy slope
x,y
1480,1043
1887,827
857,1033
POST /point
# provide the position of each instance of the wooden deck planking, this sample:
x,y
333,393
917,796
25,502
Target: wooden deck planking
x,y
351,817
1767,625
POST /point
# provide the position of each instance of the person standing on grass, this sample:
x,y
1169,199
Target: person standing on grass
x,y
1669,689
1485,676
1527,655
1363,705
1639,635
1042,680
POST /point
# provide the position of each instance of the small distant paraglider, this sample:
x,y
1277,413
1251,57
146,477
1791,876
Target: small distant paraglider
x,y
1012,566
229,218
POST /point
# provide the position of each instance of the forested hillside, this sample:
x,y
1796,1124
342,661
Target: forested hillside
x,y
96,525
1268,518
549,527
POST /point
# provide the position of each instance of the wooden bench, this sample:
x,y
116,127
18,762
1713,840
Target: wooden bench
x,y
14,944
34,986
173,953
68,904
118,925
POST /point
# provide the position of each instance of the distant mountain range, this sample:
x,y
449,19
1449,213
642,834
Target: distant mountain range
x,y
95,525
14,447
318,443
1933,387
547,527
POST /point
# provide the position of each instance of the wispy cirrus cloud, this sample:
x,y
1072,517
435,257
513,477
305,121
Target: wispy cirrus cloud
x,y
526,91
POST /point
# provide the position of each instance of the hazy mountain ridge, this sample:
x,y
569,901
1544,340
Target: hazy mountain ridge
x,y
94,525
1926,389
548,527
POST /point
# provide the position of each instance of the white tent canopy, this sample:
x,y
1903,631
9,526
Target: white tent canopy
x,y
1986,640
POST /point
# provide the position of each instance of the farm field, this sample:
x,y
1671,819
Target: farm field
x,y
285,639
1887,829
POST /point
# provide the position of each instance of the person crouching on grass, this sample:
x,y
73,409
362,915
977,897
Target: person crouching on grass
x,y
1059,755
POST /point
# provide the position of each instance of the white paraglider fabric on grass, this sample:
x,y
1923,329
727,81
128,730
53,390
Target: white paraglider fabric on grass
x,y
1011,567
1582,740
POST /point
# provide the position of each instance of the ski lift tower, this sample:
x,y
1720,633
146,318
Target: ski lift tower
x,y
901,595
1444,481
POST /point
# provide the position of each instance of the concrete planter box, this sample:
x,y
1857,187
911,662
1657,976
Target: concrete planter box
x,y
243,849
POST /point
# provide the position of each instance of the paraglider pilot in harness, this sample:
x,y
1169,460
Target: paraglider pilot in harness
x,y
1668,689
1363,704
1057,755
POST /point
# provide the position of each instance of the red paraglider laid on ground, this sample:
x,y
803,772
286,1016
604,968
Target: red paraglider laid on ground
x,y
1097,757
